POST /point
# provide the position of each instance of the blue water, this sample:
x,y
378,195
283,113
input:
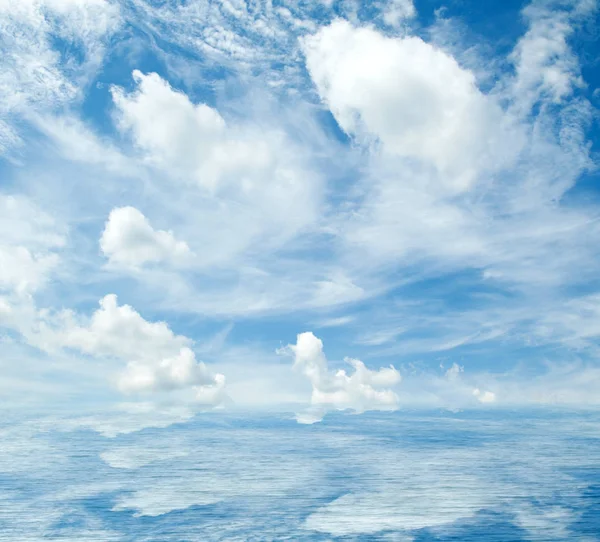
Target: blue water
x,y
435,476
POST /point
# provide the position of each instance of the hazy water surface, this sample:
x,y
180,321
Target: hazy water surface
x,y
503,476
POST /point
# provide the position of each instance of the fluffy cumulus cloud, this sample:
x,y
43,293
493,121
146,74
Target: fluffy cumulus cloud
x,y
361,390
129,239
119,330
157,359
484,396
172,373
412,97
195,143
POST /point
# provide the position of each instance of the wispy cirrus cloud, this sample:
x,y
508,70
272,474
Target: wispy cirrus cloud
x,y
314,164
51,49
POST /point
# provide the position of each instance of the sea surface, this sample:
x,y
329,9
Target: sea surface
x,y
403,476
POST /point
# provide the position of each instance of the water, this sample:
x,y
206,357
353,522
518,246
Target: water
x,y
405,476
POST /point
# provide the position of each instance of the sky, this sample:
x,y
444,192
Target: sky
x,y
304,206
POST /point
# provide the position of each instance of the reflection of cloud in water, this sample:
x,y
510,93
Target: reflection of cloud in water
x,y
414,477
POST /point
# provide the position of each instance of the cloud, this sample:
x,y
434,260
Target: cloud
x,y
211,32
359,391
451,184
77,142
397,11
23,223
195,143
454,388
34,76
576,323
546,67
129,239
243,186
412,97
452,173
8,138
121,331
484,396
338,321
379,336
29,245
454,371
157,359
175,133
173,373
22,271
495,210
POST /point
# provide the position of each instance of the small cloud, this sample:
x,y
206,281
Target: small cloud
x,y
360,391
484,396
171,373
454,371
377,338
336,322
398,11
129,239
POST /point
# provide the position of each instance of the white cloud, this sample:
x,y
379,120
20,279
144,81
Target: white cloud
x,y
34,76
568,384
576,323
177,372
338,289
29,241
338,321
212,31
563,383
546,67
78,143
397,11
360,391
453,388
129,239
484,396
23,223
120,331
8,138
174,132
413,97
22,271
454,372
194,142
380,336
157,359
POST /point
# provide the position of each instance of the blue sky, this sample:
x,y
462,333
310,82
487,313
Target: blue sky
x,y
227,204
